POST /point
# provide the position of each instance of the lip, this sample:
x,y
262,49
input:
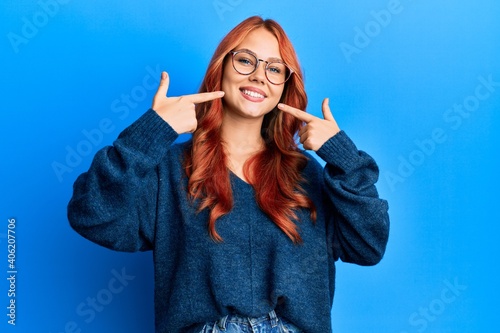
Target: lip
x,y
251,98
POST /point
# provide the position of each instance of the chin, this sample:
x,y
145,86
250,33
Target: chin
x,y
255,111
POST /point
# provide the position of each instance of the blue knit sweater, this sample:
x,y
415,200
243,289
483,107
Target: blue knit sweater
x,y
133,198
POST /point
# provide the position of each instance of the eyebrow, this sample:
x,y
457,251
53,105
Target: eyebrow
x,y
271,59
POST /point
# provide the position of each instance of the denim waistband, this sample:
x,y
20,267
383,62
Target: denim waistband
x,y
271,316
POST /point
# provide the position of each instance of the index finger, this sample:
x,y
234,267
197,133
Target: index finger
x,y
297,113
204,97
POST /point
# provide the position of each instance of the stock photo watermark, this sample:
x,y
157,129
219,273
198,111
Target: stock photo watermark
x,y
223,6
421,319
93,137
363,36
453,119
31,25
11,271
88,309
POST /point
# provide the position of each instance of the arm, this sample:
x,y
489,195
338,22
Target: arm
x,y
359,216
114,202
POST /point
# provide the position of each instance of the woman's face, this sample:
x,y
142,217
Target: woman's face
x,y
252,96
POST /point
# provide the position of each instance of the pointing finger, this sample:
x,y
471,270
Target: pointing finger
x,y
204,97
327,113
299,114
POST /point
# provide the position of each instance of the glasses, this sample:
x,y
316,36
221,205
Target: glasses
x,y
245,63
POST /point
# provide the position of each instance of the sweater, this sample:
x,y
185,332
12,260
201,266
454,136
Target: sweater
x,y
134,198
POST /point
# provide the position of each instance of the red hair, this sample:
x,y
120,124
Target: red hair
x,y
274,172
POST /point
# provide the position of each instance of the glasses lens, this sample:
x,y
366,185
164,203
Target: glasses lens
x,y
244,62
277,72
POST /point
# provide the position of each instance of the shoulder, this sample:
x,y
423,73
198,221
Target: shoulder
x,y
312,161
174,159
313,170
180,148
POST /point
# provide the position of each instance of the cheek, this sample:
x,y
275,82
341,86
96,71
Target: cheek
x,y
228,77
277,92
229,85
225,82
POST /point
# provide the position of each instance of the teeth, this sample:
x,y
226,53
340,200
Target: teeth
x,y
252,93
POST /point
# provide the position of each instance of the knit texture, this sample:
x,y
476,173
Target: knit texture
x,y
133,198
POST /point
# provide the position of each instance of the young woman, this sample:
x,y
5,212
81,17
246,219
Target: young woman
x,y
244,226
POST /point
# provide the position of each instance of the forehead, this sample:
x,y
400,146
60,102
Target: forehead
x,y
261,42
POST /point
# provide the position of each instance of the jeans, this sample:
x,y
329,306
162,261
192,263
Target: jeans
x,y
236,324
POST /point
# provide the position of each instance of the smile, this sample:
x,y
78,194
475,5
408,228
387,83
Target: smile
x,y
252,93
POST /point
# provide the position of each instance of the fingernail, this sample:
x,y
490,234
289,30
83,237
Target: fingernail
x,y
280,105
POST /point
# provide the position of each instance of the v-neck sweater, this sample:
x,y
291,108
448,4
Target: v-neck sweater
x,y
134,198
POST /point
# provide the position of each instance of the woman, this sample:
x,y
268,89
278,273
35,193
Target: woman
x,y
244,226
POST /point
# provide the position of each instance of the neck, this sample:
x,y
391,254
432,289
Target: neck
x,y
241,135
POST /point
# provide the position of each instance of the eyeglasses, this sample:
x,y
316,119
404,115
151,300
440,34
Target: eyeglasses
x,y
245,63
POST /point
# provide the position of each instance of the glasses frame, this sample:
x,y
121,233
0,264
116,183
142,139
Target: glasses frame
x,y
290,70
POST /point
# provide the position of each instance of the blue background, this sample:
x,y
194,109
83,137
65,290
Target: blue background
x,y
75,73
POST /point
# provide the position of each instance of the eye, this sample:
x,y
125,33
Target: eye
x,y
243,60
276,68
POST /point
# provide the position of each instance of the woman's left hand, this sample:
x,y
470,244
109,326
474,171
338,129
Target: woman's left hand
x,y
316,130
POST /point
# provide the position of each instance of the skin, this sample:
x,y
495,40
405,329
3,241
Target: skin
x,y
179,112
236,106
243,116
316,130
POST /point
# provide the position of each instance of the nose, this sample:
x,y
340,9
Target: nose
x,y
259,75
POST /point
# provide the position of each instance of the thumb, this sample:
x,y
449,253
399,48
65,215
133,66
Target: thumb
x,y
327,113
164,83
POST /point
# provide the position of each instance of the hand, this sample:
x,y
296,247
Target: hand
x,y
179,112
316,131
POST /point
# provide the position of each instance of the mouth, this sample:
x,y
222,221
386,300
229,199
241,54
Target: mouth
x,y
253,94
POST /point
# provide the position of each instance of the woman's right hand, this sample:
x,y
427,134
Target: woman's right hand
x,y
179,112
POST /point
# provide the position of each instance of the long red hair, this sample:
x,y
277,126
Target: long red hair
x,y
274,172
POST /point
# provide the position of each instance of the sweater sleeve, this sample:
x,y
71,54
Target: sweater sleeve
x,y
360,218
114,203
